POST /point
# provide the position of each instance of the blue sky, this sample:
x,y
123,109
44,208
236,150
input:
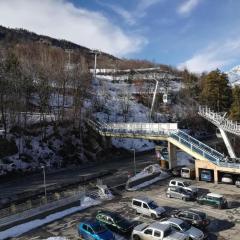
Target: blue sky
x,y
198,34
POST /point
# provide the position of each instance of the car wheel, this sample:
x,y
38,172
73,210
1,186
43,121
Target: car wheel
x,y
153,216
136,237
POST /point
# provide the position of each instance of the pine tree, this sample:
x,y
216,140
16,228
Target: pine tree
x,y
235,107
216,92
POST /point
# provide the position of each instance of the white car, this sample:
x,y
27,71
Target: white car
x,y
183,184
183,227
156,231
227,178
147,207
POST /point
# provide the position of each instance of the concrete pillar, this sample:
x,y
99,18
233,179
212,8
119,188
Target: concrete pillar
x,y
107,142
196,172
13,208
172,157
29,204
215,176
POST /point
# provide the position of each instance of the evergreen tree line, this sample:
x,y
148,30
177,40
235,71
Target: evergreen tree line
x,y
214,91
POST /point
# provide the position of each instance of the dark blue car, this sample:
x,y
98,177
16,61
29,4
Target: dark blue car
x,y
93,230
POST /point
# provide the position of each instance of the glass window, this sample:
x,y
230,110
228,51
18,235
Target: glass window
x,y
180,184
148,231
145,206
90,230
152,205
137,203
173,182
85,227
157,234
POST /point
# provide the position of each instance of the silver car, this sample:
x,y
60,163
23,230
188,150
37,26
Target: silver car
x,y
156,231
183,227
180,193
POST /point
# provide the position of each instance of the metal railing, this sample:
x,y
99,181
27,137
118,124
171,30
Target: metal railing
x,y
219,120
149,129
197,146
156,130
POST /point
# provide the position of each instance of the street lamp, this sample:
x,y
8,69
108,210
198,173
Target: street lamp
x,y
134,161
44,181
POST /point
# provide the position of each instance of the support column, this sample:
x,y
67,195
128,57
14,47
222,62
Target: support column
x,y
196,172
107,143
172,157
215,176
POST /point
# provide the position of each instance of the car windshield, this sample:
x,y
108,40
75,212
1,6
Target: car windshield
x,y
152,205
167,232
186,184
118,218
98,228
184,226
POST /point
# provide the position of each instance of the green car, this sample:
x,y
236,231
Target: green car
x,y
213,199
115,222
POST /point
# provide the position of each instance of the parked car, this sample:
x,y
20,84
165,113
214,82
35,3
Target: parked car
x,y
213,199
183,184
115,222
183,227
206,175
188,172
93,230
147,207
227,178
180,193
156,231
237,183
176,171
195,218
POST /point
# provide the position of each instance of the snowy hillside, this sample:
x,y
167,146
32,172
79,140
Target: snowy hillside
x,y
234,75
116,104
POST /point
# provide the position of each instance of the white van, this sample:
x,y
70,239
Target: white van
x,y
147,207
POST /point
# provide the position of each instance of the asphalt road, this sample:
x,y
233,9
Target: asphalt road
x,y
34,183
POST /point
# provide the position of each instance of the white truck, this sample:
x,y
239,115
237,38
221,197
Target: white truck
x,y
156,231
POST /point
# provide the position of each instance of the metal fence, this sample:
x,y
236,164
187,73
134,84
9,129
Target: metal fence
x,y
38,202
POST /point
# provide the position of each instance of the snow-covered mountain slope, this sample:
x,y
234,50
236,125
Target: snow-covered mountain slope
x,y
234,75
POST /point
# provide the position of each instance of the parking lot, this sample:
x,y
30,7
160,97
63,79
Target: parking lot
x,y
225,223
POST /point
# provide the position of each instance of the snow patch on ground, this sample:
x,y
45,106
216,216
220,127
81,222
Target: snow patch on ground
x,y
147,183
25,227
112,100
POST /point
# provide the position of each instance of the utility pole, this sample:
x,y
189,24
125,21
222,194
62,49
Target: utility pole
x,y
134,161
154,97
95,52
69,51
44,182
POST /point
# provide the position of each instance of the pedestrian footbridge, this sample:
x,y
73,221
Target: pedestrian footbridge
x,y
174,136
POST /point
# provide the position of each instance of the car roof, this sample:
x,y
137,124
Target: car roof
x,y
193,211
175,220
216,195
179,180
109,213
90,222
142,198
159,226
